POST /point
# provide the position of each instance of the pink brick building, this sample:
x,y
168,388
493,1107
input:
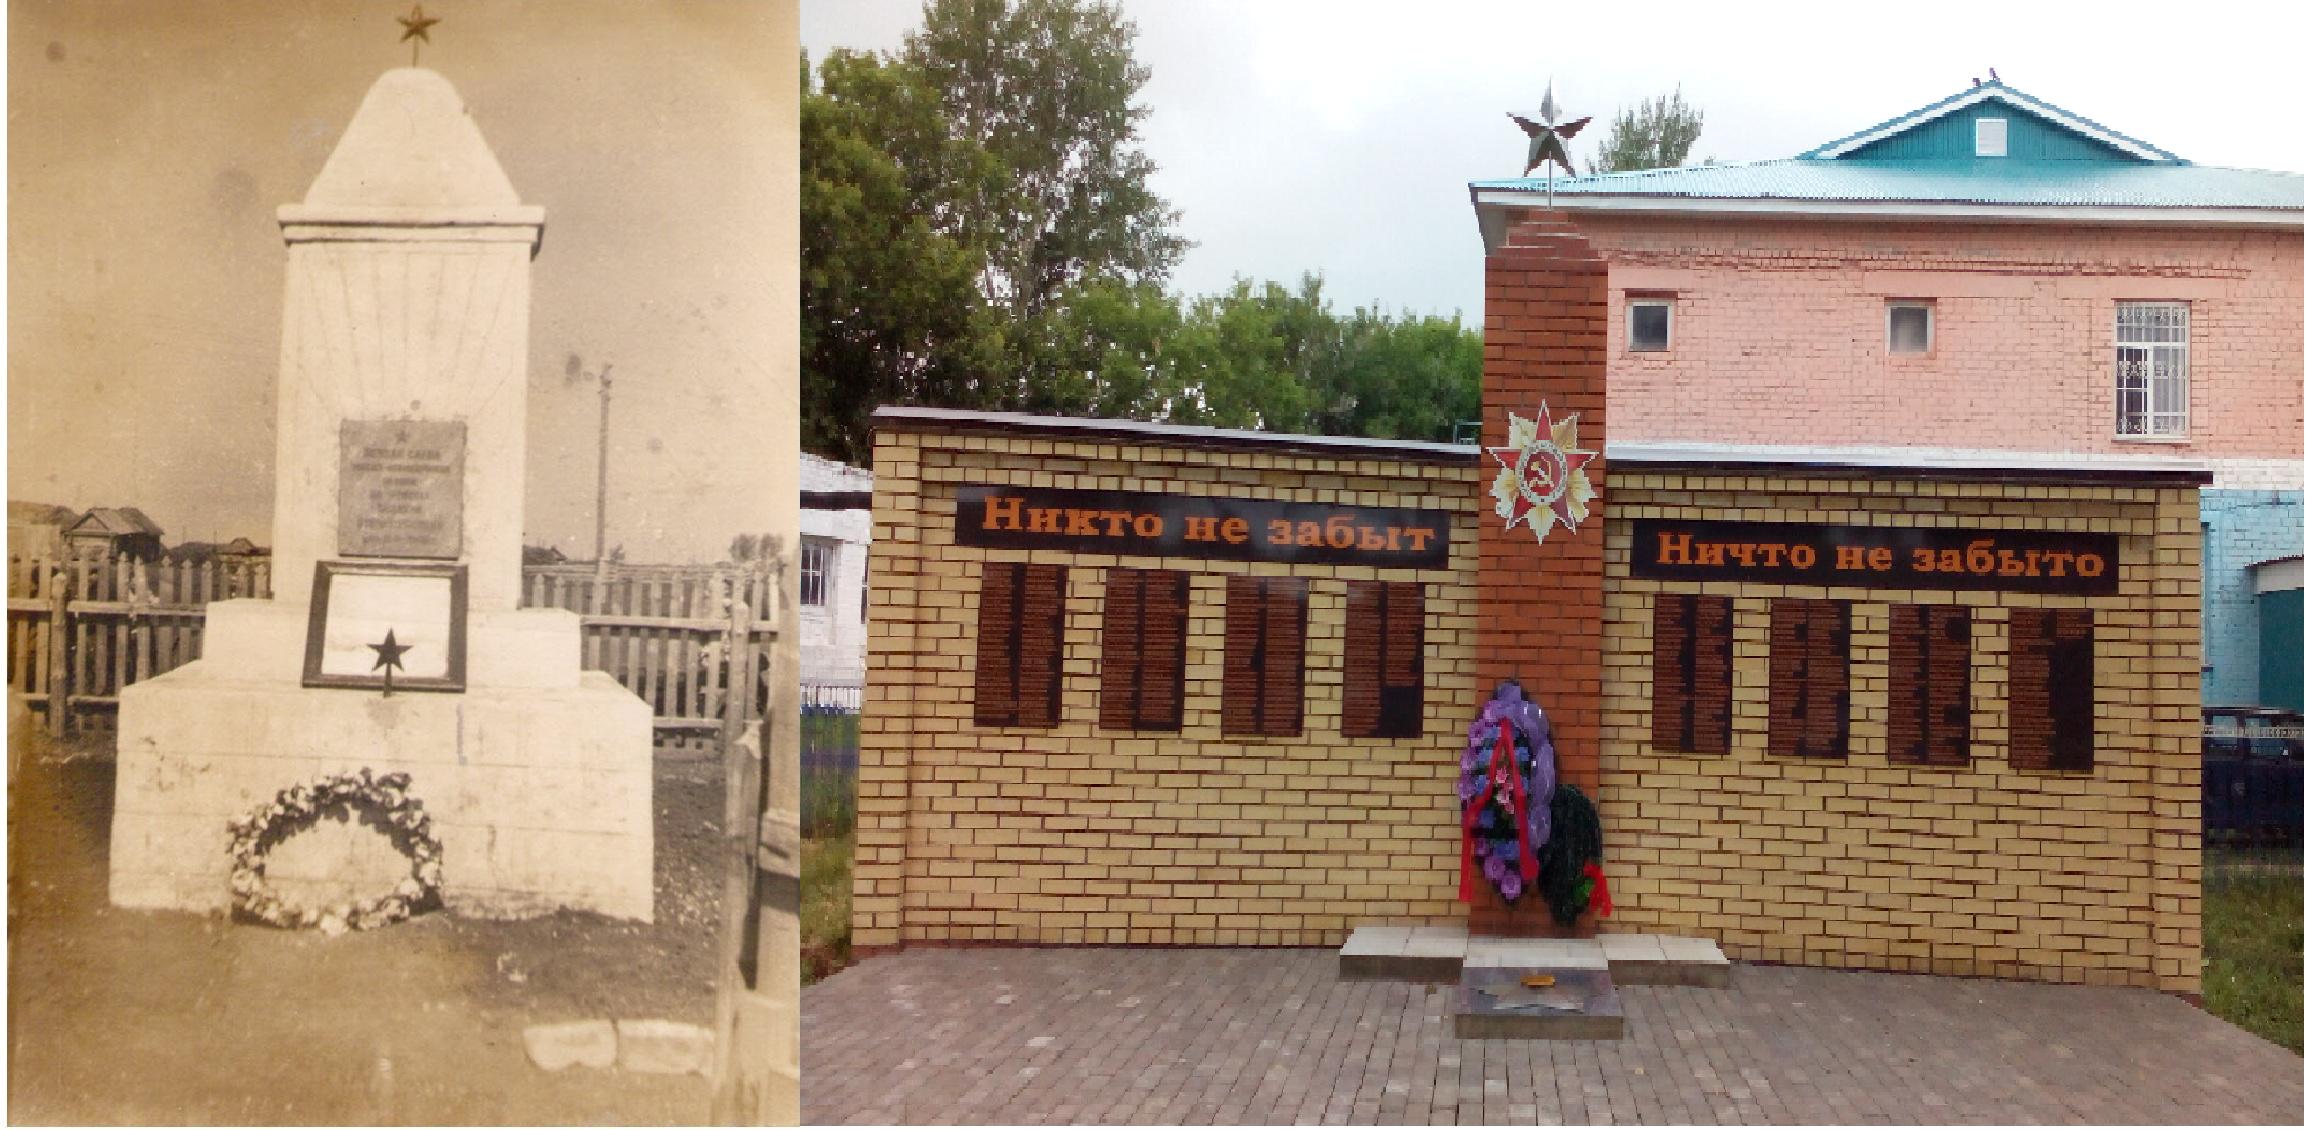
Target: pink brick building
x,y
1988,278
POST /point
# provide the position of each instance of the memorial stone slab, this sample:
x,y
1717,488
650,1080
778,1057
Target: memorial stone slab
x,y
401,488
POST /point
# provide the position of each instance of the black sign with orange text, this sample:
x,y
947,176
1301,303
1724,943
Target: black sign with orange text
x,y
1876,557
1145,524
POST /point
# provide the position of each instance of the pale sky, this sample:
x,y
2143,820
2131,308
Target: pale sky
x,y
1339,136
149,144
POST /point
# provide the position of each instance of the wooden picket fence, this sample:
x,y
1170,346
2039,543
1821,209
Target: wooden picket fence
x,y
81,628
691,641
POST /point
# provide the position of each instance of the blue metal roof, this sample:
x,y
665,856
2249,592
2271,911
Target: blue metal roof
x,y
2059,159
1974,181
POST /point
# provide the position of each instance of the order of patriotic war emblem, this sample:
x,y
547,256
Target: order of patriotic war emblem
x,y
1542,481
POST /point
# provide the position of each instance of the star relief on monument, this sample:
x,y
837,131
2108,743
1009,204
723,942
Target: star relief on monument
x,y
1542,480
388,654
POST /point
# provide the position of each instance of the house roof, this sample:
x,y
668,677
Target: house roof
x,y
1921,165
2011,98
820,474
41,513
1968,181
116,521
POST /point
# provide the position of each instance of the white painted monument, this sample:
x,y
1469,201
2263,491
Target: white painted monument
x,y
397,560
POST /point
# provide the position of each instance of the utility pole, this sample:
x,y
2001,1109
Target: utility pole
x,y
601,484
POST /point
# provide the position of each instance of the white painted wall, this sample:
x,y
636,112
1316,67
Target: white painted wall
x,y
833,634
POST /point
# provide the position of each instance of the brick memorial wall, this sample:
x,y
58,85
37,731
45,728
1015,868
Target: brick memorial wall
x,y
2048,827
1154,740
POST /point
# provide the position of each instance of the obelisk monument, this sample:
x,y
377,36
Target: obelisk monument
x,y
402,416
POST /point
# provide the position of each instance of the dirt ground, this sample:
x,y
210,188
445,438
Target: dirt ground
x,y
155,1017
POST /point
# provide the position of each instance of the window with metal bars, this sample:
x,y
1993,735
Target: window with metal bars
x,y
1810,678
817,558
1021,643
2152,369
1265,685
1691,673
1930,720
1142,672
1385,660
2051,689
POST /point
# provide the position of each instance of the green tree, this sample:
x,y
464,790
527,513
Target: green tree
x,y
1250,357
1400,378
975,214
890,306
977,232
1046,90
1655,134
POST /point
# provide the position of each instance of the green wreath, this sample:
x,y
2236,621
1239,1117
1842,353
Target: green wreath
x,y
382,803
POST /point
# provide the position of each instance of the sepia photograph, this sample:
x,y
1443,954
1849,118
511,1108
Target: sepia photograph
x,y
403,562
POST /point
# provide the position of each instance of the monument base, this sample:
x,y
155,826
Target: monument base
x,y
539,791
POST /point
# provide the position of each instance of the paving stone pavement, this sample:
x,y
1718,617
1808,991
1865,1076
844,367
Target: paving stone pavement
x,y
1271,1036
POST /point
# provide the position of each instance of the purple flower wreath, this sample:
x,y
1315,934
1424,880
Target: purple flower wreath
x,y
1498,837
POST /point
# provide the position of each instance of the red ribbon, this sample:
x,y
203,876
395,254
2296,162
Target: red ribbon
x,y
1502,774
1601,900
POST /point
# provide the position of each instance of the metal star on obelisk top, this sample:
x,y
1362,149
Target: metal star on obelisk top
x,y
1547,139
388,658
416,26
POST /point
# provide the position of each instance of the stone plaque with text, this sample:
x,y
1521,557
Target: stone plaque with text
x,y
401,488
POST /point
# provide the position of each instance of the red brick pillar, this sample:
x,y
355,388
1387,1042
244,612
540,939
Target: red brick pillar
x,y
1545,298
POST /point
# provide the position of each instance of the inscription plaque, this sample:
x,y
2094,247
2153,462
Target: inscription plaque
x,y
401,488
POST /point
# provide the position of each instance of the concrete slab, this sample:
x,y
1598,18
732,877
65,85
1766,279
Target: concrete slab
x,y
1665,959
1373,953
1375,941
1595,1015
1690,949
1436,941
1693,962
1631,947
1535,953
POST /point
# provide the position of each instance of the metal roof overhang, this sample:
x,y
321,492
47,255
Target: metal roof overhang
x,y
1493,204
1094,430
1637,457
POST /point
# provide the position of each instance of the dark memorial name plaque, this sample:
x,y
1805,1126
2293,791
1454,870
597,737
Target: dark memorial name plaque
x,y
401,488
1876,557
1145,524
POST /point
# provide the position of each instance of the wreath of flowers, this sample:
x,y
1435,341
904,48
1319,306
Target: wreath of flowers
x,y
382,803
1522,830
1505,828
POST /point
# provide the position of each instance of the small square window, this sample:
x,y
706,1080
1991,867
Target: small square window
x,y
1650,324
1908,325
1988,134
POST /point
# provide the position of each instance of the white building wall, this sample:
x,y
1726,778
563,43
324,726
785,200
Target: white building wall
x,y
833,634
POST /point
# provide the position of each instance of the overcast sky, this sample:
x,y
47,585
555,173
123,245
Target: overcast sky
x,y
150,142
1339,137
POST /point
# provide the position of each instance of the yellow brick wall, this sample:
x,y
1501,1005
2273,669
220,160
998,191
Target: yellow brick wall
x,y
2081,877
1078,834
1081,835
